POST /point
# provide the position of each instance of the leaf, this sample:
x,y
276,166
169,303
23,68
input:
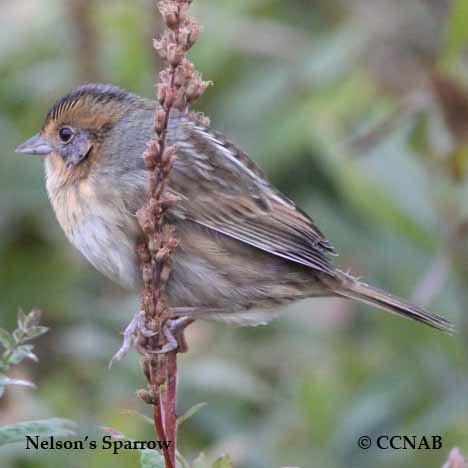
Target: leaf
x,y
32,319
151,459
2,384
191,412
457,32
18,335
223,462
200,461
4,380
43,428
140,415
459,163
21,353
181,462
21,319
35,332
6,340
114,433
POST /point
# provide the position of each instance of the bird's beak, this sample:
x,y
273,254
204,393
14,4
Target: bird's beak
x,y
35,145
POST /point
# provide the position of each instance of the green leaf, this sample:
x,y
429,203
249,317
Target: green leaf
x,y
457,32
115,434
2,384
43,428
21,319
18,335
223,462
151,459
190,412
5,380
32,319
138,414
200,461
35,332
181,462
23,352
6,340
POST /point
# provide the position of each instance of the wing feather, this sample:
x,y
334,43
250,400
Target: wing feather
x,y
221,188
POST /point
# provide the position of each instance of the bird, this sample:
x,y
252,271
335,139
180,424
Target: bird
x,y
245,250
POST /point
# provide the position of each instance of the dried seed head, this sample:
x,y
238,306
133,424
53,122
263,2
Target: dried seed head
x,y
196,88
147,274
168,155
146,364
188,33
152,246
146,396
175,54
143,253
179,85
170,14
154,208
200,118
169,200
170,99
160,121
179,77
160,48
165,76
160,379
142,215
151,154
162,93
180,102
165,274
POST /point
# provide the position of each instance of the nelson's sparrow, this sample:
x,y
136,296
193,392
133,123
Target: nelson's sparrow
x,y
245,249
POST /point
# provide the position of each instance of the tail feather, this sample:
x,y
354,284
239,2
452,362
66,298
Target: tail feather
x,y
362,292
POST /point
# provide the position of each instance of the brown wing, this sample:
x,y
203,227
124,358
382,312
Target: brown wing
x,y
223,190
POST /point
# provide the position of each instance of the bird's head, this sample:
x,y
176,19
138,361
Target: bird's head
x,y
78,123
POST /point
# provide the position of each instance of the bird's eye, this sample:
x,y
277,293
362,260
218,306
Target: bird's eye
x,y
66,134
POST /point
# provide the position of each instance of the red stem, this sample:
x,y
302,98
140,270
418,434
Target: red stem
x,y
171,395
158,411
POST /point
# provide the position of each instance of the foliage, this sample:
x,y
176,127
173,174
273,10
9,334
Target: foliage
x,y
16,347
50,427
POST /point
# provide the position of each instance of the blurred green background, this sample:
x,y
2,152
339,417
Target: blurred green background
x,y
358,110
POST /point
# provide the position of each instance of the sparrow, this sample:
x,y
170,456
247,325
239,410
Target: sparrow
x,y
245,249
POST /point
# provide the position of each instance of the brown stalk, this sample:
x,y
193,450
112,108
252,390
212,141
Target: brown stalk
x,y
180,85
86,49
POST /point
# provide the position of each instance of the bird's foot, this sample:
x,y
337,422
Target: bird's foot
x,y
173,331
128,338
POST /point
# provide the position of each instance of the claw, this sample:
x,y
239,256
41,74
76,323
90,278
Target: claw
x,y
142,327
128,335
173,331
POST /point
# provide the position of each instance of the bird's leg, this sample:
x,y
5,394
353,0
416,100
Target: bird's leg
x,y
179,319
173,331
128,335
141,327
174,328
